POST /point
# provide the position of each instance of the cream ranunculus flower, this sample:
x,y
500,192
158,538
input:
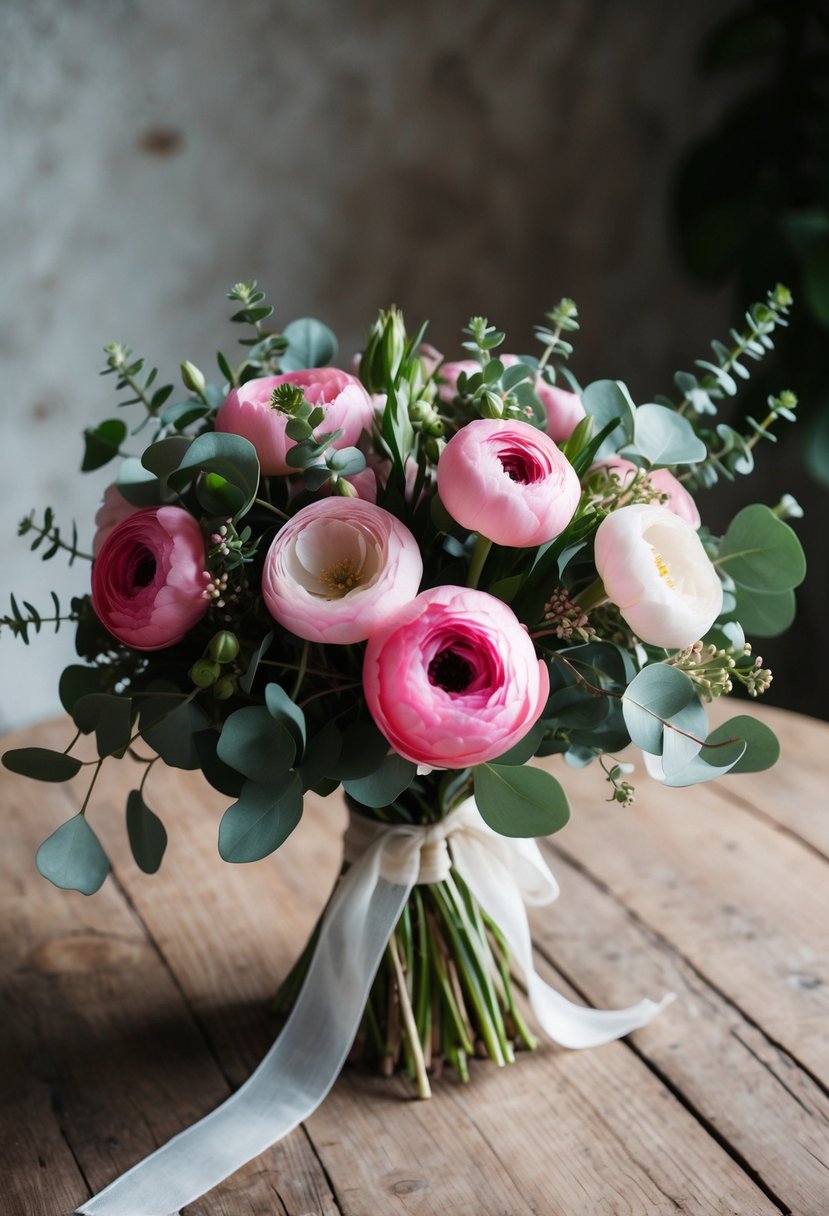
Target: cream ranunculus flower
x,y
656,572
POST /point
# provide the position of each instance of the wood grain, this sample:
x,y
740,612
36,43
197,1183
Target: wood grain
x,y
128,1015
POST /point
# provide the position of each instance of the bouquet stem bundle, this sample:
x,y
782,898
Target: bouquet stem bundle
x,y
443,993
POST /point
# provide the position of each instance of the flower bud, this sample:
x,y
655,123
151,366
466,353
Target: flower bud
x,y
224,688
193,378
384,351
203,673
224,646
491,405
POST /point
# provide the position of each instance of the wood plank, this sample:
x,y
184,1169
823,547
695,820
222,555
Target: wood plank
x,y
745,903
121,1055
749,1093
793,793
235,928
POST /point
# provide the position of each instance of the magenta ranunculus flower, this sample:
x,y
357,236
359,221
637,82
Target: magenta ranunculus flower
x,y
338,569
112,510
453,679
508,481
663,481
247,411
148,579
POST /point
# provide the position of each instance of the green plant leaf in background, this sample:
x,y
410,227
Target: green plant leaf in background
x,y
520,801
764,614
230,467
109,716
261,820
283,709
170,732
310,344
72,857
762,746
604,401
146,832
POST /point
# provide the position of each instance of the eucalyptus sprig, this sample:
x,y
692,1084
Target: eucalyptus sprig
x,y
128,370
562,319
19,623
49,531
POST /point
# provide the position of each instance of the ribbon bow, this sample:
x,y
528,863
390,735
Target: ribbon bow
x,y
387,861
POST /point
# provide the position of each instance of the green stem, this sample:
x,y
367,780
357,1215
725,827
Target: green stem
x,y
267,506
479,556
592,596
303,666
423,1087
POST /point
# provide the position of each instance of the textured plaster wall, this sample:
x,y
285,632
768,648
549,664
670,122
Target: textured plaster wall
x,y
454,158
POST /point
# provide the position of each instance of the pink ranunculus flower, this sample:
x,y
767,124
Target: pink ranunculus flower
x,y
564,409
247,411
452,679
338,569
657,573
112,510
662,480
508,481
148,579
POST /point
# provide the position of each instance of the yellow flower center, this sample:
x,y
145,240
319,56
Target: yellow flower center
x,y
663,568
340,578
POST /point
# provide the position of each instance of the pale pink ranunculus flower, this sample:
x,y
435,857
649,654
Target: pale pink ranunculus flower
x,y
655,570
112,510
452,679
508,481
148,579
338,569
247,411
662,480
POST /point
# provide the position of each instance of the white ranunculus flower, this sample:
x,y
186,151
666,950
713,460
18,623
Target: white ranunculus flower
x,y
656,572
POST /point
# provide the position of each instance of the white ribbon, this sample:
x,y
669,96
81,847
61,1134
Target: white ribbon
x,y
304,1062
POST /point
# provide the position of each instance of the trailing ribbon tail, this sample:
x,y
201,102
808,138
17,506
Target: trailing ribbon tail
x,y
306,1058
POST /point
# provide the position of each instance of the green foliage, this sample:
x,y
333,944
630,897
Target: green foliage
x,y
171,732
128,372
606,402
765,560
49,532
659,694
261,820
256,744
226,470
109,716
385,784
310,344
518,801
146,832
103,443
41,764
19,623
663,438
72,857
762,747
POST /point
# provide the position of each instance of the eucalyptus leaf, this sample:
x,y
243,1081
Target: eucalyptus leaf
x,y
363,751
762,746
102,444
658,693
261,820
606,401
220,775
283,709
147,834
109,716
525,748
41,763
72,857
765,614
231,457
247,679
520,801
137,484
320,757
684,738
256,745
310,344
170,731
761,552
386,783
665,438
78,681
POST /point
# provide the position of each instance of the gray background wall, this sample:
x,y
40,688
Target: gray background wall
x,y
473,157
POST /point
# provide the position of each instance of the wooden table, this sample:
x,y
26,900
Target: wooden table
x,y
128,1015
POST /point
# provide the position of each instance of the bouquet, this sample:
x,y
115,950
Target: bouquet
x,y
408,579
